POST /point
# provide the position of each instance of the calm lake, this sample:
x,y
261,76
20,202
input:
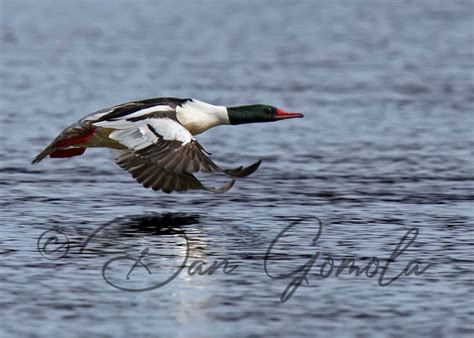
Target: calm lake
x,y
386,146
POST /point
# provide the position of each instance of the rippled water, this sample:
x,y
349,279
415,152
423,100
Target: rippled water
x,y
386,146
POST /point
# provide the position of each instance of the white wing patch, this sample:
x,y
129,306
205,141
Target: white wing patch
x,y
138,135
134,138
170,129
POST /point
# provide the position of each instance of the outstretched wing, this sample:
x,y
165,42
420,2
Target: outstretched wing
x,y
155,177
162,141
162,154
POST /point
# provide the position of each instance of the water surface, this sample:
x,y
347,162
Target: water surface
x,y
385,146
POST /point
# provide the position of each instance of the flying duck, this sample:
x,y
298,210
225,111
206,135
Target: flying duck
x,y
153,139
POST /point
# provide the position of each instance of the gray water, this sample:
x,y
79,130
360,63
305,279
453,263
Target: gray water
x,y
385,147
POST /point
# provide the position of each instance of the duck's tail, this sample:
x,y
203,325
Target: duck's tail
x,y
58,153
68,144
46,151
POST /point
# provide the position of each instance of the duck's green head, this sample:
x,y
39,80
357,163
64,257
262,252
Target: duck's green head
x,y
258,113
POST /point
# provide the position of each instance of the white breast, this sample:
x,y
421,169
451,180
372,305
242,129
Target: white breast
x,y
198,116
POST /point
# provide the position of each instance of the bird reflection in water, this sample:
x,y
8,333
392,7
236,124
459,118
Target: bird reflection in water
x,y
125,233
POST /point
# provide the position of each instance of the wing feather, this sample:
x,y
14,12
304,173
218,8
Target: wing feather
x,y
153,176
161,154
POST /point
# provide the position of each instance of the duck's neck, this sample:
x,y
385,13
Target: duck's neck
x,y
198,116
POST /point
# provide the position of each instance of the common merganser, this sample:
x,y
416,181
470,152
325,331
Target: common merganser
x,y
153,139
